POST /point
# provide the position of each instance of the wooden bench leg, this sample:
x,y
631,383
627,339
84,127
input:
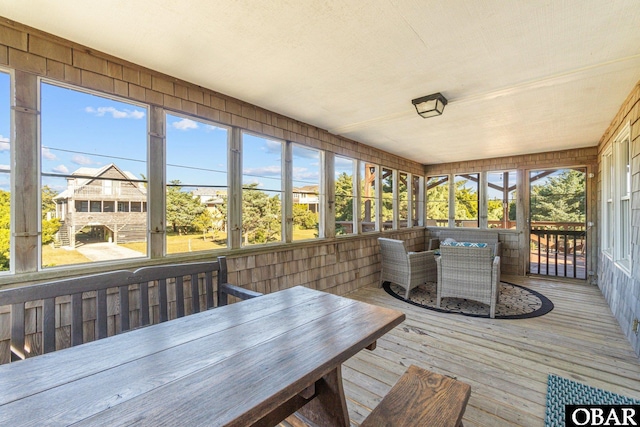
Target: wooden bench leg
x,y
421,398
329,406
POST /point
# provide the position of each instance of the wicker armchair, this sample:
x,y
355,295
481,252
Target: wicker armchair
x,y
469,272
407,269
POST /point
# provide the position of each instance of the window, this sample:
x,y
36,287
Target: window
x,y
5,171
108,206
82,206
623,198
92,148
369,196
403,200
608,213
437,189
387,199
344,194
416,201
196,194
262,190
466,200
123,206
501,199
306,192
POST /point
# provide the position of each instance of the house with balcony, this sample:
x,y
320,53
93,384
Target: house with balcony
x,y
537,116
105,204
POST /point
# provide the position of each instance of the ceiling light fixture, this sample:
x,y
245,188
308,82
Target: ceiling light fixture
x,y
430,105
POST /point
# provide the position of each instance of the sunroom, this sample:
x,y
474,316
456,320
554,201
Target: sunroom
x,y
283,136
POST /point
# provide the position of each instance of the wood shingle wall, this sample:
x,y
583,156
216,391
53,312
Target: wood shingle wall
x,y
338,267
621,290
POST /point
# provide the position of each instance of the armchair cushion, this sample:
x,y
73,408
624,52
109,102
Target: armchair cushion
x,y
465,244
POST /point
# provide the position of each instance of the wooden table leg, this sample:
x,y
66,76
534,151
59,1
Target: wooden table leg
x,y
329,407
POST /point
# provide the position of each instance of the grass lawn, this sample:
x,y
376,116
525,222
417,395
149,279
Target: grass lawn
x,y
58,256
176,243
304,234
179,243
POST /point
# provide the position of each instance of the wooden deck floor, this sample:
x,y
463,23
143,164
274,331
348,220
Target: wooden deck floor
x,y
506,362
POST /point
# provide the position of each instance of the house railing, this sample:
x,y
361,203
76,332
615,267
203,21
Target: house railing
x,y
558,249
123,193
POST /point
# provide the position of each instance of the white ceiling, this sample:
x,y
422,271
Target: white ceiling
x,y
521,76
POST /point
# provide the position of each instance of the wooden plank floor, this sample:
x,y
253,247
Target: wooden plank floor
x,y
506,362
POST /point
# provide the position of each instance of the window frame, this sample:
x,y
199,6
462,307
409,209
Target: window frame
x,y
227,151
453,199
12,181
285,207
622,199
608,206
40,80
354,194
485,194
320,194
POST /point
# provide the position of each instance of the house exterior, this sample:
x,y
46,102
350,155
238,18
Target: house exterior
x,y
307,195
213,199
104,204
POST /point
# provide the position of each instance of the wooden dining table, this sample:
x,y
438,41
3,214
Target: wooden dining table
x,y
251,363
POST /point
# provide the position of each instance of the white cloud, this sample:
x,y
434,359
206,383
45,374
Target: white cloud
x,y
79,159
60,169
304,174
273,146
305,153
115,113
185,124
211,128
47,154
263,171
5,167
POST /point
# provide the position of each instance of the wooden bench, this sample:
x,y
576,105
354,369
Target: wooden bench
x,y
37,310
421,398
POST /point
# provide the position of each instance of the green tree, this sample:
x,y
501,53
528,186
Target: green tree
x,y
344,197
183,209
303,218
466,201
438,202
204,222
260,215
387,198
560,198
403,199
495,211
48,204
49,229
50,224
5,232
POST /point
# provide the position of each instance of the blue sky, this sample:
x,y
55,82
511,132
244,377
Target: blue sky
x,y
86,130
5,118
83,130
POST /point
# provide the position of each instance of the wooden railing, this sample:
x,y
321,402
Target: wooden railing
x,y
557,249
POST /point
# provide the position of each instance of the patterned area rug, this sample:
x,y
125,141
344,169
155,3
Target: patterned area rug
x,y
562,391
515,302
